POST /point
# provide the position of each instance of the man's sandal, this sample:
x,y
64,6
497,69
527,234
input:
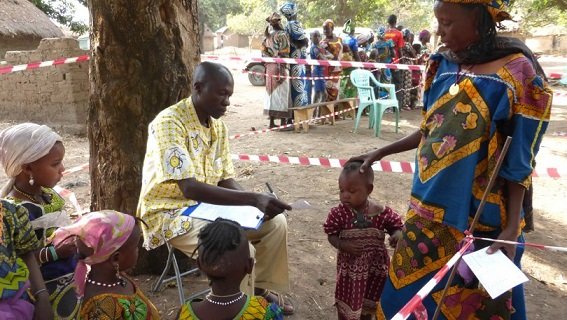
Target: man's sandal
x,y
277,298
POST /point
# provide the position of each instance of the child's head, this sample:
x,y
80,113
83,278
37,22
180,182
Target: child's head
x,y
33,153
315,37
223,251
106,240
354,186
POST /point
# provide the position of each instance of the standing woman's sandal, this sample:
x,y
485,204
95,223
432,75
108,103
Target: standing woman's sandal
x,y
277,298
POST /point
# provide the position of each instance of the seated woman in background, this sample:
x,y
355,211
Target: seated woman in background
x,y
32,158
18,268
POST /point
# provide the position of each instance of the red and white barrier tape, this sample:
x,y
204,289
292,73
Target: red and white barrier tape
x,y
237,136
329,63
416,303
36,65
527,244
294,78
382,166
559,134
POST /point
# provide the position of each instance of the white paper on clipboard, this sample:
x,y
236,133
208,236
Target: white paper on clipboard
x,y
247,216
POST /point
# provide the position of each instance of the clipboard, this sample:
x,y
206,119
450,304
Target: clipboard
x,y
247,216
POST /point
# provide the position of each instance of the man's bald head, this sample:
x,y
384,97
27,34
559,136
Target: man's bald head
x,y
205,71
213,86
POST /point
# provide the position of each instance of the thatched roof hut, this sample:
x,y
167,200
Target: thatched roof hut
x,y
23,25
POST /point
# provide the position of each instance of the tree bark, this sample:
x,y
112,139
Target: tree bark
x,y
143,55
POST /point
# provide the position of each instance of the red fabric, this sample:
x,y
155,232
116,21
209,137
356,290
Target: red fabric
x,y
398,38
360,279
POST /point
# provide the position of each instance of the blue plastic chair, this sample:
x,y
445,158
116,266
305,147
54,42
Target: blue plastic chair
x,y
361,80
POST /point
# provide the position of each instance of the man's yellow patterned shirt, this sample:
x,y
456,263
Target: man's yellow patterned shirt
x,y
178,148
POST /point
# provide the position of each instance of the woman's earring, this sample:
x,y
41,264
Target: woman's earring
x,y
121,280
31,182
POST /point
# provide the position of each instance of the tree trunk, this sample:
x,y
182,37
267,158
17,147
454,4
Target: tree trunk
x,y
143,55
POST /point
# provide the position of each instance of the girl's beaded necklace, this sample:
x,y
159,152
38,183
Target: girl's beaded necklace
x,y
224,303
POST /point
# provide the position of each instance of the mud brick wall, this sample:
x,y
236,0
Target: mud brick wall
x,y
56,96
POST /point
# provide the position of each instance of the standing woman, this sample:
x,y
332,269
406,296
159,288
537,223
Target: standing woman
x,y
298,41
407,57
333,45
276,45
479,90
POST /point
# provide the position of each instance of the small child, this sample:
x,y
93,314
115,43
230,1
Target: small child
x,y
224,256
107,243
356,228
318,53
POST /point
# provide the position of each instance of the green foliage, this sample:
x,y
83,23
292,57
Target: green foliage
x,y
62,11
252,20
214,13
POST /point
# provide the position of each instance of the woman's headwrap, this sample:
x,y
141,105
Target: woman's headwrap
x,y
274,16
348,27
329,23
406,32
381,32
103,231
497,8
289,9
424,35
22,144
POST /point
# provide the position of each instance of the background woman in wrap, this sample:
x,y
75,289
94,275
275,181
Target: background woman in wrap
x,y
108,244
333,45
298,41
276,45
350,53
32,156
481,89
407,57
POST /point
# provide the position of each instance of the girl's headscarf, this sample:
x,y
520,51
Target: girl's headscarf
x,y
22,144
497,8
289,9
381,32
103,231
424,35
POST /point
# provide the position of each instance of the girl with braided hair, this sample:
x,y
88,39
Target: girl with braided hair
x,y
224,256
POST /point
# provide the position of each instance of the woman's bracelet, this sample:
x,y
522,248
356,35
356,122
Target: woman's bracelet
x,y
41,256
38,292
53,253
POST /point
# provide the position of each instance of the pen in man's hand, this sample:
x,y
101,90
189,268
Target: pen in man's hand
x,y
271,190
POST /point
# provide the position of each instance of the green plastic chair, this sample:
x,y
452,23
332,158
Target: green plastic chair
x,y
366,97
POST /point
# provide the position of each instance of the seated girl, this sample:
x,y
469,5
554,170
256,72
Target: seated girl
x,y
32,158
107,243
224,256
356,227
18,268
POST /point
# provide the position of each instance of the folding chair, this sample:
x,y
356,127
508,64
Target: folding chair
x,y
362,80
172,262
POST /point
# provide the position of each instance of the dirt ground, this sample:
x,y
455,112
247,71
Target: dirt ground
x,y
311,257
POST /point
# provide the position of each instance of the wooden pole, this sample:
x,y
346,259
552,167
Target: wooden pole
x,y
475,220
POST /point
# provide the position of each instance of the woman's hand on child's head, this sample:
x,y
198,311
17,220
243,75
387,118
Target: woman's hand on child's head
x,y
394,238
367,159
353,247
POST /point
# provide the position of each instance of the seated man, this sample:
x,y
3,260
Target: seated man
x,y
188,161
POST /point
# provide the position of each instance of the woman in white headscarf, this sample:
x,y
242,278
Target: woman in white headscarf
x,y
32,158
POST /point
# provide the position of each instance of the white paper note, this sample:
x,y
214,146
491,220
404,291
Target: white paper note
x,y
247,216
300,204
496,272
